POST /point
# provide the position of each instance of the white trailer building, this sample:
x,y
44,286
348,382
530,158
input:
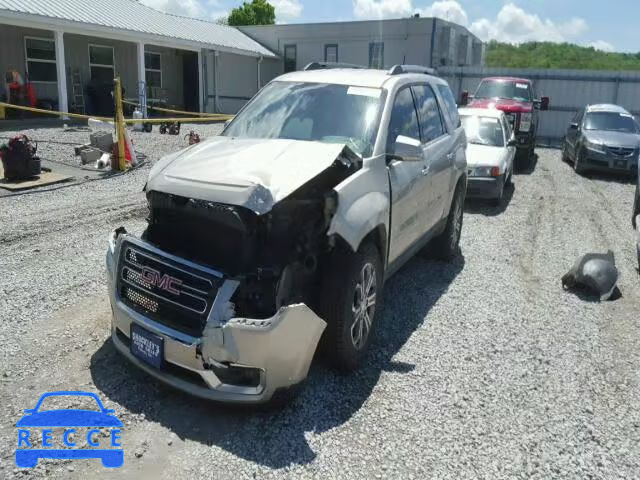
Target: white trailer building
x,y
430,42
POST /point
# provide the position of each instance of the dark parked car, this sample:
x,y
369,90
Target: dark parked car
x,y
602,137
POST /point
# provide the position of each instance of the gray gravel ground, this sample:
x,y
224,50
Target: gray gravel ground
x,y
483,368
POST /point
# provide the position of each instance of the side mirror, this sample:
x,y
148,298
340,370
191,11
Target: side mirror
x,y
544,103
464,98
573,125
407,149
512,143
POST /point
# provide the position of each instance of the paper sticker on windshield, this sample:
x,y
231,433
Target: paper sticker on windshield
x,y
521,85
364,91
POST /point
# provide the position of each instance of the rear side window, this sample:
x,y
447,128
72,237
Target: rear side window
x,y
428,113
450,107
404,120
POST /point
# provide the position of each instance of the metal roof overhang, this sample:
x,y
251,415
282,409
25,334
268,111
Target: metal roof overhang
x,y
42,22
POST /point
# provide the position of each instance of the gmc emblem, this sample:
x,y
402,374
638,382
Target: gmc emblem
x,y
163,282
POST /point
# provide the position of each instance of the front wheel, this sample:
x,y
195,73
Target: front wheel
x,y
351,295
447,244
578,163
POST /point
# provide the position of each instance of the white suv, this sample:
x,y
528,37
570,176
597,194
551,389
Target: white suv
x,y
286,226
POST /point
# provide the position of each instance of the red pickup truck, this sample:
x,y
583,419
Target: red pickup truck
x,y
517,99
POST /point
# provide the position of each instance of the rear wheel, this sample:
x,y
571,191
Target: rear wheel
x,y
351,295
446,245
636,207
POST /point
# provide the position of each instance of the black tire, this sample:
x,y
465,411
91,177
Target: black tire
x,y
636,207
565,156
578,164
351,324
446,246
509,180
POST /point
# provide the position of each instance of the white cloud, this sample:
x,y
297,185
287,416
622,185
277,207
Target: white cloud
x,y
187,8
514,25
602,45
376,9
287,9
449,10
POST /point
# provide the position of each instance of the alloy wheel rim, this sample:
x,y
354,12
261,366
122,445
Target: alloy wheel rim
x,y
363,307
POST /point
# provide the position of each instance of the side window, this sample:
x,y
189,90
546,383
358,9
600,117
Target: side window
x,y
507,129
451,108
577,118
428,113
404,120
376,55
290,58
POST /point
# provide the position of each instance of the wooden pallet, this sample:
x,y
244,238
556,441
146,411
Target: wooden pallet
x,y
45,178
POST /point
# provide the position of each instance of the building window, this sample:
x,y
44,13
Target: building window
x,y
41,59
152,72
331,52
290,61
101,63
376,55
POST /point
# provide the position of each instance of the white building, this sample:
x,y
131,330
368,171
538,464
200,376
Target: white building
x,y
66,47
430,42
70,51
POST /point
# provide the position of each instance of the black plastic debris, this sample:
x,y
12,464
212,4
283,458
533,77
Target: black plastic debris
x,y
594,274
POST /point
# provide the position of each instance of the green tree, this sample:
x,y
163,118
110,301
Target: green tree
x,y
258,12
557,55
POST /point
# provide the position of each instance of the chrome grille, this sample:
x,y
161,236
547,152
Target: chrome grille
x,y
167,290
621,151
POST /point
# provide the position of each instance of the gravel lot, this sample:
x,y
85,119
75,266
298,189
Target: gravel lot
x,y
483,368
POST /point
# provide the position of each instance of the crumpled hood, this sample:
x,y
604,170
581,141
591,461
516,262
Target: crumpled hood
x,y
253,173
505,104
613,139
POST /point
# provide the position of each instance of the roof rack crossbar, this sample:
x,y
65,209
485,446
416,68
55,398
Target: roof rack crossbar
x,y
327,65
398,69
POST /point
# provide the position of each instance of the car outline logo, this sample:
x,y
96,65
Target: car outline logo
x,y
69,418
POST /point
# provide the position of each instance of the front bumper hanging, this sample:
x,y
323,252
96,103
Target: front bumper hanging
x,y
240,361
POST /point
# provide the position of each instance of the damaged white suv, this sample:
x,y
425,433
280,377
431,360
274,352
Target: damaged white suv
x,y
285,227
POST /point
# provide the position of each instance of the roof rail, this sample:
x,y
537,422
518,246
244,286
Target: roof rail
x,y
327,65
398,69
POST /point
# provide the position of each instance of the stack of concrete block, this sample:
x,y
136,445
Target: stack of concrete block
x,y
99,143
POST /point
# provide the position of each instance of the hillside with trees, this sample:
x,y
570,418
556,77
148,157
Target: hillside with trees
x,y
557,55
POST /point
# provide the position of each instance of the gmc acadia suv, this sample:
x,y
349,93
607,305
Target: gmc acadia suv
x,y
286,226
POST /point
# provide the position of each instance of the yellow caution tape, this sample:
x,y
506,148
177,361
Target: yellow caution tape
x,y
182,120
217,118
179,112
53,112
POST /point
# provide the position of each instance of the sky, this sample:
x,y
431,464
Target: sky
x,y
606,25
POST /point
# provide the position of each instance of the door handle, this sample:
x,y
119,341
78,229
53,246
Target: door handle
x,y
425,170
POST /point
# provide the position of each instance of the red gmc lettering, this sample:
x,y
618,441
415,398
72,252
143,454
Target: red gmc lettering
x,y
163,282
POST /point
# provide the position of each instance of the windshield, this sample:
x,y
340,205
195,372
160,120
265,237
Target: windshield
x,y
311,111
483,130
520,91
619,122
